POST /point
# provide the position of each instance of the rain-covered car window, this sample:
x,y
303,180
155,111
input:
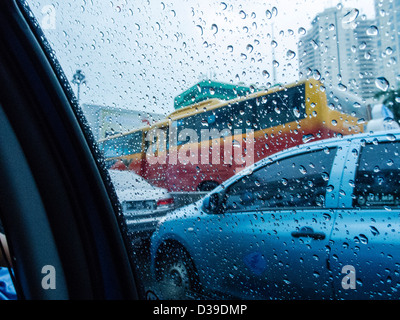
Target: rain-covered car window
x,y
377,183
252,145
299,181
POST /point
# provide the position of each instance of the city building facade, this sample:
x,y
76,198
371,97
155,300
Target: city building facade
x,y
341,50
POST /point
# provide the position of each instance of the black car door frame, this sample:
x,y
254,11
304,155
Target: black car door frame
x,y
79,227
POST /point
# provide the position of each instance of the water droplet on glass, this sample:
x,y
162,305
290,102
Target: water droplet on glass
x,y
308,138
325,176
382,84
214,28
372,31
363,45
236,144
265,74
314,44
342,87
242,14
391,137
374,230
268,14
290,54
302,170
327,216
330,188
229,48
302,31
350,16
249,48
200,28
363,239
316,75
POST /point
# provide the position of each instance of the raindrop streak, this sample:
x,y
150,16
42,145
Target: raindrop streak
x,y
382,84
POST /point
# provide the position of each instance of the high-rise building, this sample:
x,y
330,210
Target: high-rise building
x,y
341,50
388,21
367,62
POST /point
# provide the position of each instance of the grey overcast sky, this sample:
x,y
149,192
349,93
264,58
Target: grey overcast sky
x,y
141,54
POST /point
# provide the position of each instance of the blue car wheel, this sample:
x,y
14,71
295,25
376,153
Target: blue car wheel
x,y
176,273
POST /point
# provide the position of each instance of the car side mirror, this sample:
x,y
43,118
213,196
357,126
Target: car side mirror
x,y
213,204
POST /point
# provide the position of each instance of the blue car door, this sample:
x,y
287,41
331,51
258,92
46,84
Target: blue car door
x,y
274,234
365,246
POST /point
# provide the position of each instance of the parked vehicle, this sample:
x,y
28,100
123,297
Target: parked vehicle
x,y
143,205
319,221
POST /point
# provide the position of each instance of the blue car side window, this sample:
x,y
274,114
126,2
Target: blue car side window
x,y
299,181
378,176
